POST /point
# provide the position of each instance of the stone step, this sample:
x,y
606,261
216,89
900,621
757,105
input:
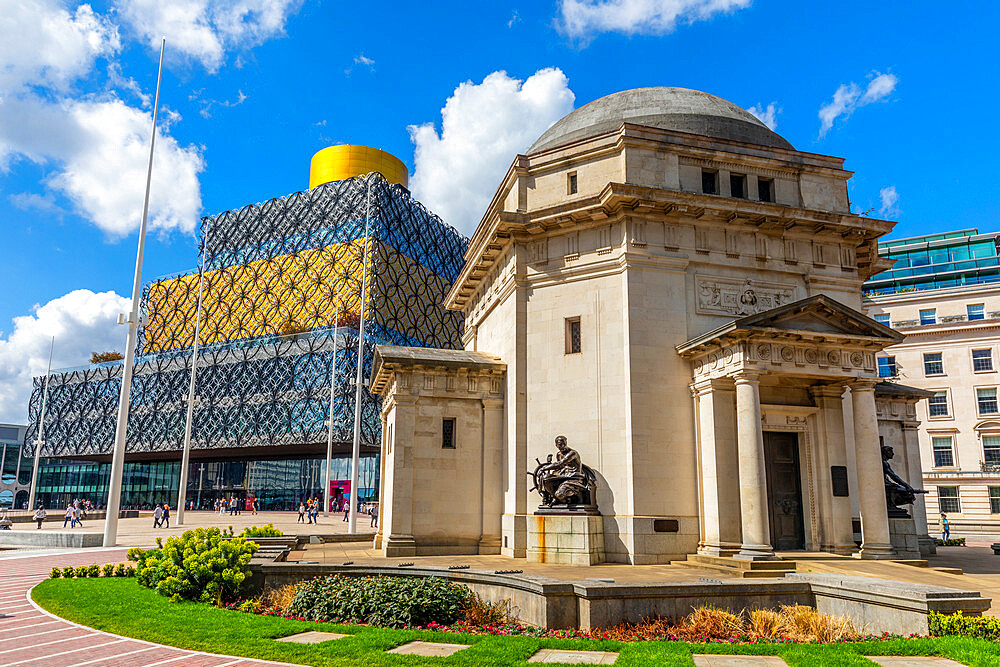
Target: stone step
x,y
743,569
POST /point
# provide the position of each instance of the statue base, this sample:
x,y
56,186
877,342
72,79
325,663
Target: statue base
x,y
903,537
570,538
568,510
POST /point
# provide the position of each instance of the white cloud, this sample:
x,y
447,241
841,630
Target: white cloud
x,y
483,126
204,30
583,19
99,149
81,321
42,44
768,115
364,60
890,202
849,97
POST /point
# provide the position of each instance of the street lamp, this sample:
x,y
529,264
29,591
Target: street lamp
x,y
121,427
352,524
40,441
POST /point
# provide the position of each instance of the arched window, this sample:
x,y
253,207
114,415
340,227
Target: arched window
x,y
6,499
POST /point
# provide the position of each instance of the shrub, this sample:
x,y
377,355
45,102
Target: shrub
x,y
267,530
55,573
68,572
94,570
765,623
978,627
279,599
109,570
478,611
197,565
952,542
381,601
80,572
120,570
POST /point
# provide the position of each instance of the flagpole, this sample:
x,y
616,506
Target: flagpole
x,y
118,458
191,397
352,524
40,440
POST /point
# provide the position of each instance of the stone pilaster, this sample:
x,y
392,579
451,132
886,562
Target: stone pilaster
x,y
720,494
835,511
875,541
753,474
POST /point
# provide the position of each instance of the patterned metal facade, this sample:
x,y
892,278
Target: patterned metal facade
x,y
274,274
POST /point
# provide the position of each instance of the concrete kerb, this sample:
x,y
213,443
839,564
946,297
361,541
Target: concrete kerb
x,y
875,606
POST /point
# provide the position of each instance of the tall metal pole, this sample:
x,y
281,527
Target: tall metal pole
x,y
118,459
191,398
40,440
333,388
352,522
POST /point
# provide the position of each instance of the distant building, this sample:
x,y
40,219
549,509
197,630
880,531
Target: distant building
x,y
15,467
943,292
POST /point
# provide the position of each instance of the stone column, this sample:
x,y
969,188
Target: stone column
x,y
915,476
720,494
489,541
753,474
838,529
875,542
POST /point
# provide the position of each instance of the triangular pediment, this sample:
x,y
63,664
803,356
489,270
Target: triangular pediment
x,y
818,314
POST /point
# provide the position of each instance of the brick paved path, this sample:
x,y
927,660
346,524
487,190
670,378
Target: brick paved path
x,y
34,638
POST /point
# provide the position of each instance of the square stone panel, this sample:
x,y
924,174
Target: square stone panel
x,y
312,637
574,657
428,649
708,660
912,661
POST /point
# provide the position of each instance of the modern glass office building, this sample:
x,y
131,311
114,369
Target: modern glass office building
x,y
15,467
275,310
950,259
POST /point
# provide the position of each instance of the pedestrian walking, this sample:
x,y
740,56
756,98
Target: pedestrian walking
x,y
157,516
374,514
40,516
944,525
77,517
165,521
69,516
347,510
302,512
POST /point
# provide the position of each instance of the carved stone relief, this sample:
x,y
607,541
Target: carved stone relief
x,y
732,296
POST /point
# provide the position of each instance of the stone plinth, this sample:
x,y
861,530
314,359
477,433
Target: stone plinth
x,y
903,537
74,539
572,539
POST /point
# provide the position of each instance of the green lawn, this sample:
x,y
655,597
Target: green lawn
x,y
123,607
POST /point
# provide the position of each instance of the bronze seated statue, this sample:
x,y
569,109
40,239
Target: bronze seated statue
x,y
565,485
897,490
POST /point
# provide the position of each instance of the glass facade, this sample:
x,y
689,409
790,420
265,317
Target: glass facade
x,y
15,468
279,485
965,257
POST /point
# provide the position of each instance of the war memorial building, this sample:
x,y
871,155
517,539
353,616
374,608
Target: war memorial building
x,y
677,290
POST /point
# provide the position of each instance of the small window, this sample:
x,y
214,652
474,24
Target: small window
x,y
448,433
928,316
937,405
738,186
571,183
991,450
982,360
986,401
944,453
709,182
948,500
975,312
886,367
765,189
882,318
573,343
933,365
995,500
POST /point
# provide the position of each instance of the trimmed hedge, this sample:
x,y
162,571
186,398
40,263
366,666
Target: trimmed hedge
x,y
109,570
392,602
952,542
977,627
267,530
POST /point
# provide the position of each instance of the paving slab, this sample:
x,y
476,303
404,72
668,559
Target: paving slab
x,y
428,649
574,657
312,637
912,661
709,660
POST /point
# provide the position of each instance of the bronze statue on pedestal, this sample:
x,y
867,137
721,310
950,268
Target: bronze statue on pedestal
x,y
565,485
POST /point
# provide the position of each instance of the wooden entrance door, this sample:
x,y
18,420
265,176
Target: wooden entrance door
x,y
784,490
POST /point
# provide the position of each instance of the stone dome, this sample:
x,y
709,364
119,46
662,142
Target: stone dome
x,y
678,109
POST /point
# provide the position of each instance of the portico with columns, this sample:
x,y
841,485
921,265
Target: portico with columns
x,y
787,371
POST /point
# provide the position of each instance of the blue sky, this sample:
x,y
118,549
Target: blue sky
x,y
252,88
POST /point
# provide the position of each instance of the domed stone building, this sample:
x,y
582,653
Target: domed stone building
x,y
676,289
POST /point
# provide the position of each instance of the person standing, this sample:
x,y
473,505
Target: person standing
x,y
302,512
40,516
165,522
157,516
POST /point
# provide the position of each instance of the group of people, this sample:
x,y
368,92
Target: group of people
x,y
235,506
309,509
161,516
76,512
